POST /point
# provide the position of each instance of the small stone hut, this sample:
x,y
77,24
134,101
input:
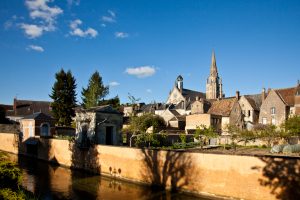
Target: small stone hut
x,y
99,125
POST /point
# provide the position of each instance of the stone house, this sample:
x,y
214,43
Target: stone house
x,y
99,125
229,110
279,105
38,124
173,119
208,120
250,105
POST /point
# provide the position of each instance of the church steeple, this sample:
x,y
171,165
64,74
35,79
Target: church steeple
x,y
214,83
213,66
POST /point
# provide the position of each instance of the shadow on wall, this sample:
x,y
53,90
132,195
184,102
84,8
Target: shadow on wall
x,y
282,175
85,158
167,169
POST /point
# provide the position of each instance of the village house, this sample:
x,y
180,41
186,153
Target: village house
x,y
22,108
279,105
250,105
37,125
98,125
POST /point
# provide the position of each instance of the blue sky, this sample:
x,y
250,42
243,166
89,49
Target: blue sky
x,y
140,46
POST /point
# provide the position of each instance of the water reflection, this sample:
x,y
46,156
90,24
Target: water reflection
x,y
54,182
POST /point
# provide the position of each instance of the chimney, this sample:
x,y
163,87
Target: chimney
x,y
263,94
197,98
237,95
15,105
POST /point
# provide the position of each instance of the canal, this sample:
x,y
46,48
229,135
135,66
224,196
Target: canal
x,y
54,182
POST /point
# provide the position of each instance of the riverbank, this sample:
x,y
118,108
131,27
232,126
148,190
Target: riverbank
x,y
232,176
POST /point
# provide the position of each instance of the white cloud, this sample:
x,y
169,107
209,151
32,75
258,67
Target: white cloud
x,y
44,15
35,48
75,30
121,35
110,18
40,9
113,84
141,72
149,90
32,30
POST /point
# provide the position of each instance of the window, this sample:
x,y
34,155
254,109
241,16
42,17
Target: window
x,y
273,111
249,113
273,121
264,120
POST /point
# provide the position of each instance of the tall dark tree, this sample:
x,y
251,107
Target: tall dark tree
x,y
64,97
94,92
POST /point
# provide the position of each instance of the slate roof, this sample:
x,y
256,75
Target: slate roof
x,y
255,101
287,95
191,94
222,107
28,107
39,116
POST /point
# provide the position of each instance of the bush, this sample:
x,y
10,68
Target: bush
x,y
8,194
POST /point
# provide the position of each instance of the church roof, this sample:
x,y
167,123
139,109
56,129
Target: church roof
x,y
213,66
222,107
191,95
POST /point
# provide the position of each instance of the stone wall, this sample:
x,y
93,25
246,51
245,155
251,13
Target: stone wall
x,y
244,177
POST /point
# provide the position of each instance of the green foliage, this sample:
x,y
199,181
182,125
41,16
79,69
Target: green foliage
x,y
140,124
182,137
64,97
292,126
94,92
148,140
8,194
202,133
114,102
10,175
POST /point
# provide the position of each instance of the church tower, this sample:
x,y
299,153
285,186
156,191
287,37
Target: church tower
x,y
214,83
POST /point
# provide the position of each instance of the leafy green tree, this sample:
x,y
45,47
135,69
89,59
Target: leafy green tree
x,y
114,102
202,133
139,124
64,98
292,126
94,92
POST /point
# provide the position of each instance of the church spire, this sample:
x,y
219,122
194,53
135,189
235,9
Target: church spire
x,y
213,66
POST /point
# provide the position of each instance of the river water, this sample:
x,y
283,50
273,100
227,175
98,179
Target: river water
x,y
54,182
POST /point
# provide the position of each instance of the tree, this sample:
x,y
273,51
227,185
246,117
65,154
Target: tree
x,y
292,126
94,92
64,98
114,102
202,132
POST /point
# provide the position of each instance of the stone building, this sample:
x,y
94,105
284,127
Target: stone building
x,y
279,105
250,105
214,87
38,124
99,125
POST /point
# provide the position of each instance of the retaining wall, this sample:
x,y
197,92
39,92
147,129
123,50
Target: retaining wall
x,y
245,177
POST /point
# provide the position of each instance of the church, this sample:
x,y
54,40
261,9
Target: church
x,y
184,97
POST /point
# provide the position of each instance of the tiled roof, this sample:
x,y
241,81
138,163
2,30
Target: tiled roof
x,y
28,107
255,101
222,107
38,115
287,95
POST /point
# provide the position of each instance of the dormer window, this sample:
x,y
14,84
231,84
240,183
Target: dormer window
x,y
273,111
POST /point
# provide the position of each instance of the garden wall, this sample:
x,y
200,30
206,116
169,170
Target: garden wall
x,y
245,177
